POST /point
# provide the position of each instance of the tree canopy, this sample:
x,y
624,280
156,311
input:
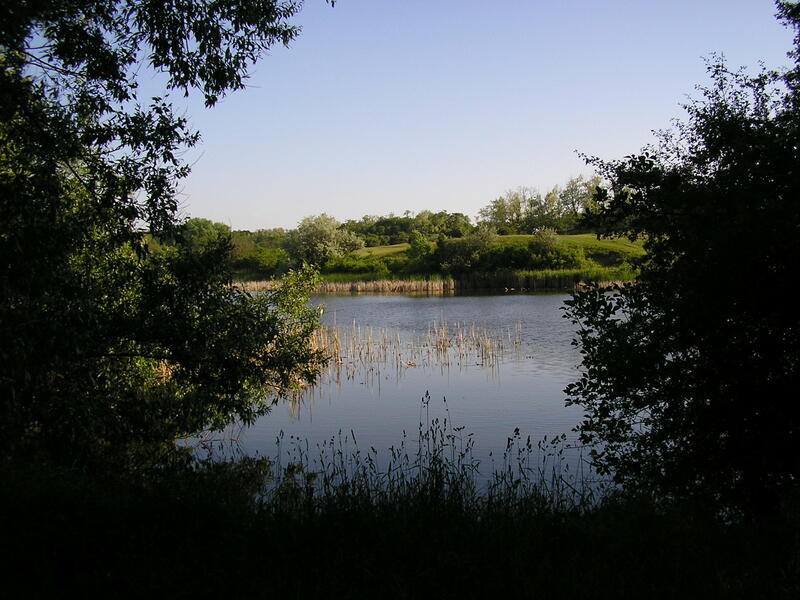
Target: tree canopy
x,y
690,375
391,229
109,343
320,238
525,209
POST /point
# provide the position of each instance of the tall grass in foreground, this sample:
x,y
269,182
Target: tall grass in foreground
x,y
336,525
437,471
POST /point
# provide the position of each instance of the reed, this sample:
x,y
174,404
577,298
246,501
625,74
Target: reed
x,y
344,528
372,355
390,286
385,286
263,285
506,281
437,468
367,350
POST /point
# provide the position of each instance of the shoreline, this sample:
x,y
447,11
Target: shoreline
x,y
520,284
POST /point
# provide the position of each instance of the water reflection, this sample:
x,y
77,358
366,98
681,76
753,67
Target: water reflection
x,y
492,364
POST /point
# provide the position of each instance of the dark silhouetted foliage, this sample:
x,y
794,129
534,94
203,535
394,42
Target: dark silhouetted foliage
x,y
691,375
112,342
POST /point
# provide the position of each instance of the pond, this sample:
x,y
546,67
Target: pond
x,y
490,364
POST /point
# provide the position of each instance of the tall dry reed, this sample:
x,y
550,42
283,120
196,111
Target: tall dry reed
x,y
523,282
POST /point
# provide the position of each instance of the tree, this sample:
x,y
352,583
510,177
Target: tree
x,y
318,239
547,212
110,344
419,248
525,210
463,254
199,233
576,199
452,224
690,376
507,213
377,231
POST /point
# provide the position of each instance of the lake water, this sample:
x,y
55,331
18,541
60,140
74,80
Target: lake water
x,y
511,376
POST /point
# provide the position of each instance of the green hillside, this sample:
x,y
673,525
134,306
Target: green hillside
x,y
505,262
382,251
603,252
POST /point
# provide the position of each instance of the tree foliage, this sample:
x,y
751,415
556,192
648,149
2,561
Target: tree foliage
x,y
487,253
690,376
381,231
111,343
200,233
318,239
525,209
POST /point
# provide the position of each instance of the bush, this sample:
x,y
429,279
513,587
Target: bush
x,y
558,258
399,264
544,240
266,262
541,252
355,264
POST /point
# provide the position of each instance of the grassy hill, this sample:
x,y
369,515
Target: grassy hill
x,y
382,251
604,252
505,264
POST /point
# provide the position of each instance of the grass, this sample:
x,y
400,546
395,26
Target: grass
x,y
382,251
410,277
544,280
349,277
335,525
608,260
587,241
605,252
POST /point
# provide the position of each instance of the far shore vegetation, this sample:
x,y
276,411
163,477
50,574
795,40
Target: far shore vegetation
x,y
432,252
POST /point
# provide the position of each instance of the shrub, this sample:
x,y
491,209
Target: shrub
x,y
264,261
544,240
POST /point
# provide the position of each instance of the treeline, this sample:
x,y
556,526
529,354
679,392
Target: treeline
x,y
523,210
562,209
391,229
324,243
440,242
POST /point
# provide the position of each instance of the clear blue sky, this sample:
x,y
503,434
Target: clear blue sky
x,y
390,105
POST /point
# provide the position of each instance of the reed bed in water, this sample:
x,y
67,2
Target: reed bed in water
x,y
384,286
510,283
357,349
371,355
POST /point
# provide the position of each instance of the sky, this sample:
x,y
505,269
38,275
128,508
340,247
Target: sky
x,y
387,106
